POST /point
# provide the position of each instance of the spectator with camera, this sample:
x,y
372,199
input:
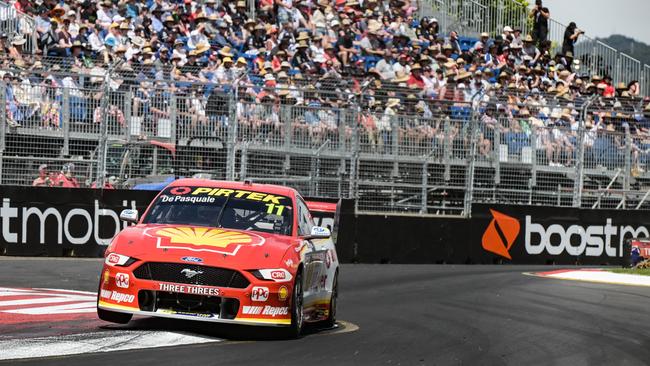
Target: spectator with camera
x,y
540,15
571,35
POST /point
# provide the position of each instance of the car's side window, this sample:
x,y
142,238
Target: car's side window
x,y
304,218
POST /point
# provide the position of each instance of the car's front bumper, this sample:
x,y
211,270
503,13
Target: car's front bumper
x,y
196,317
120,291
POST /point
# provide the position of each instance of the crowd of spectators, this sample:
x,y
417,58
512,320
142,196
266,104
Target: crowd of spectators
x,y
210,42
313,54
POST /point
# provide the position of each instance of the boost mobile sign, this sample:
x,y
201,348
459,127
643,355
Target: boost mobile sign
x,y
532,234
51,221
592,241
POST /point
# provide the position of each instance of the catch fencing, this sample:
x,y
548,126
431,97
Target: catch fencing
x,y
394,153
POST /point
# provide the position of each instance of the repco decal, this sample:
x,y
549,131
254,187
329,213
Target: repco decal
x,y
500,234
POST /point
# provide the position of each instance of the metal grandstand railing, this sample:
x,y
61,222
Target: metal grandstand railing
x,y
16,23
472,17
388,147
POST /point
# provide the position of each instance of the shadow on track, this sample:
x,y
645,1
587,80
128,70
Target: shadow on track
x,y
230,332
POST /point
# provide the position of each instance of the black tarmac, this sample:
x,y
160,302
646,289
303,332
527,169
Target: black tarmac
x,y
406,315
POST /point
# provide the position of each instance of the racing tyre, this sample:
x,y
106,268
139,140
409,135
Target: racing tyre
x,y
331,317
297,309
113,317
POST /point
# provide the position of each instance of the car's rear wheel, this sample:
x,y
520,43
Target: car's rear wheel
x,y
331,317
113,317
297,309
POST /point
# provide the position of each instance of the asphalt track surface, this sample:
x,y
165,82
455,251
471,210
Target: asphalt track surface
x,y
406,315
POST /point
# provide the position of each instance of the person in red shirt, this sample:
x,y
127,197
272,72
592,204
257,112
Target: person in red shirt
x,y
66,179
43,179
609,91
416,77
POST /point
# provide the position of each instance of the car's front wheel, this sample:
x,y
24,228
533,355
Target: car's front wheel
x,y
113,317
297,309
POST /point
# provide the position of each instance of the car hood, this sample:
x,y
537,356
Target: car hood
x,y
212,246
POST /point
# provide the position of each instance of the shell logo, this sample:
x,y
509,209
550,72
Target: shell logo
x,y
205,239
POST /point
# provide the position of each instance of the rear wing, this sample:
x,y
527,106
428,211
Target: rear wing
x,y
325,213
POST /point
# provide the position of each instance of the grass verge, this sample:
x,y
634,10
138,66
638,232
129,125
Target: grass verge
x,y
636,271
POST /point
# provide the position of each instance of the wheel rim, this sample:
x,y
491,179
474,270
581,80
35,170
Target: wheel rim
x,y
298,303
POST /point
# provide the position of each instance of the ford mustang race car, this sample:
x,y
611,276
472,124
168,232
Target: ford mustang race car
x,y
226,252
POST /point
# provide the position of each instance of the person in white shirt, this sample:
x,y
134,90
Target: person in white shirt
x,y
385,66
401,67
105,13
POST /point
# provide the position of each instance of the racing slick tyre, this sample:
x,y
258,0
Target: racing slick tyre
x,y
113,317
297,310
331,317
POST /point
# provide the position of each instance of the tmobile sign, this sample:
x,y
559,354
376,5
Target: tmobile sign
x,y
51,221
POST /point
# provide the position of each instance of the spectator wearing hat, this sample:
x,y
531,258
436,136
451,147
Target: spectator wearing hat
x,y
43,179
385,124
16,47
530,49
302,58
482,42
225,73
66,178
221,38
415,79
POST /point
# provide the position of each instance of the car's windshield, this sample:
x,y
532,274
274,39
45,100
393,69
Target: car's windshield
x,y
218,207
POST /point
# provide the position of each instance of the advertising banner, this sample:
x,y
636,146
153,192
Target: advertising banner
x,y
552,235
41,221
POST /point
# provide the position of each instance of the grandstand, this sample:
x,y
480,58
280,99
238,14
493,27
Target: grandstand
x,y
380,101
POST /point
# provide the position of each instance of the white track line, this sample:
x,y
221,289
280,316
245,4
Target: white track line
x,y
81,307
118,340
600,277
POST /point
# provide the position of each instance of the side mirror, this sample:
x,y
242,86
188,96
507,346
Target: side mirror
x,y
318,232
129,216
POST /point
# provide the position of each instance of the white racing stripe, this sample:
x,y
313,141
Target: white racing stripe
x,y
117,340
46,301
43,300
80,307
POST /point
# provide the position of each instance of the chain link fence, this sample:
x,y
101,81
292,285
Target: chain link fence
x,y
388,146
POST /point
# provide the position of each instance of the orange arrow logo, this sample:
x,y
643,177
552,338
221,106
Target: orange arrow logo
x,y
500,234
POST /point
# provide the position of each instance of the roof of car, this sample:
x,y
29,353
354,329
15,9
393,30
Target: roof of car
x,y
267,188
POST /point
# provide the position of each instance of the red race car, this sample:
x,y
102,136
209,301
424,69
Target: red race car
x,y
226,252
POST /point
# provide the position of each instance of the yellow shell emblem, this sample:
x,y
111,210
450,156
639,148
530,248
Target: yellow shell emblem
x,y
201,236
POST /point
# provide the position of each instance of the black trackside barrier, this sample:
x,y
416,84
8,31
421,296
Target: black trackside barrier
x,y
38,221
41,221
495,234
